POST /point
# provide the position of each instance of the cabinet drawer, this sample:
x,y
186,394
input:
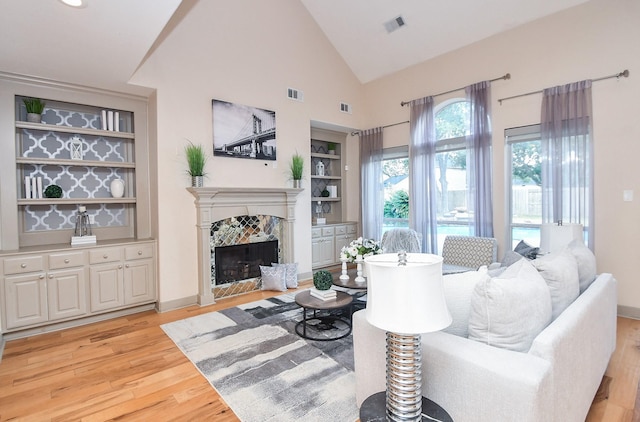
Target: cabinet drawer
x,y
352,229
99,256
341,230
23,264
327,231
66,260
138,252
316,233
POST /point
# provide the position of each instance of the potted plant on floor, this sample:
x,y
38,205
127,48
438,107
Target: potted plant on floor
x,y
35,107
196,160
296,168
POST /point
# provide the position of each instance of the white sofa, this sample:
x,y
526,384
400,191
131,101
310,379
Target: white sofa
x,y
555,381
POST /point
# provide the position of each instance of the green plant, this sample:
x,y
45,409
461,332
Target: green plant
x,y
331,146
196,159
53,191
296,166
322,280
325,193
34,105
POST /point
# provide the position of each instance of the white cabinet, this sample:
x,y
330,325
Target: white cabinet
x,y
327,242
345,234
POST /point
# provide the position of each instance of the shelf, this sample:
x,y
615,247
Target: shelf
x,y
329,156
76,201
76,130
313,176
75,163
325,199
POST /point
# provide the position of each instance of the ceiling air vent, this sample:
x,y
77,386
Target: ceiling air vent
x,y
393,24
295,94
345,108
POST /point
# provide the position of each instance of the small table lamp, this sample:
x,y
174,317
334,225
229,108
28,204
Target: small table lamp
x,y
405,297
555,236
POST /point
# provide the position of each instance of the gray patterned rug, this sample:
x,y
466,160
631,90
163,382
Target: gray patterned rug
x,y
263,370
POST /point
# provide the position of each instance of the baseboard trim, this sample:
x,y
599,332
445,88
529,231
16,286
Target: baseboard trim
x,y
628,312
172,305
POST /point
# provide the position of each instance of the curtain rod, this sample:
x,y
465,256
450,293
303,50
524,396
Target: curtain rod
x,y
624,73
358,132
504,77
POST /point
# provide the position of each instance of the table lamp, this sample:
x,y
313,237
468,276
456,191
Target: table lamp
x,y
405,297
555,236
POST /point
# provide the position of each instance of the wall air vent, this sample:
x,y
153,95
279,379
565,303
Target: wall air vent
x,y
345,108
394,24
295,94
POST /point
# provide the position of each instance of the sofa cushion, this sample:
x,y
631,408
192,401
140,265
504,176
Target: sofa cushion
x,y
458,289
526,250
560,271
273,278
586,263
511,310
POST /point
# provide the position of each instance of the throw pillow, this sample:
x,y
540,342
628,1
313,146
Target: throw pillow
x,y
526,250
511,310
560,272
291,274
458,289
586,263
510,257
273,278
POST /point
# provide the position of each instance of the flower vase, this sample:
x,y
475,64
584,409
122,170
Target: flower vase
x,y
117,188
359,278
344,276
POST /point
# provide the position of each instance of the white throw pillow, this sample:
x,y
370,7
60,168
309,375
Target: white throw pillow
x,y
291,274
273,278
458,289
560,271
511,310
586,263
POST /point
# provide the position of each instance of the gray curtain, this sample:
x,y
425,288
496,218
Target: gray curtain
x,y
567,156
422,177
479,162
371,186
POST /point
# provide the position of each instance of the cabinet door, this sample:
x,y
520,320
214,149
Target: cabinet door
x,y
327,251
25,300
139,281
107,288
67,294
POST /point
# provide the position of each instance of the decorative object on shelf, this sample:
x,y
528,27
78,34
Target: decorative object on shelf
x,y
322,280
319,168
344,276
33,188
331,148
117,188
196,159
296,168
82,232
333,191
53,191
35,107
359,277
319,218
76,148
325,193
406,299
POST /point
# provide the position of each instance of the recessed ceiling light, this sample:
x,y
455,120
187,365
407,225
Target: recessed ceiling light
x,y
75,3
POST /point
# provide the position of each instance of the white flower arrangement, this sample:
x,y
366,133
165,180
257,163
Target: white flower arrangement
x,y
360,247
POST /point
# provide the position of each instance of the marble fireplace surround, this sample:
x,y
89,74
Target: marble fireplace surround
x,y
214,204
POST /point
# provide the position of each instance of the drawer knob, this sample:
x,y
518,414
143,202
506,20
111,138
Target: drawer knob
x,y
127,265
119,267
23,265
105,256
41,276
139,252
66,261
50,275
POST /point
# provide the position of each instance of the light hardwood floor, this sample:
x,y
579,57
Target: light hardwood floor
x,y
127,369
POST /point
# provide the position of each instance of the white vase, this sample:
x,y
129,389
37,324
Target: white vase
x,y
117,188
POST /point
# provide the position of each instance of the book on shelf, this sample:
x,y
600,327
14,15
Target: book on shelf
x,y
323,294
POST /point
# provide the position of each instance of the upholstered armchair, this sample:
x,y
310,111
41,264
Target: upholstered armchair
x,y
400,239
467,253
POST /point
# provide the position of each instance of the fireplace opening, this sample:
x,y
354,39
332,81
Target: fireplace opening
x,y
241,262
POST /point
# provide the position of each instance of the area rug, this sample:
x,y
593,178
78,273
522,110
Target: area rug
x,y
263,370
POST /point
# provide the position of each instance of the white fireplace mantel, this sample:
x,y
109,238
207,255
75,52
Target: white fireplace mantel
x,y
214,204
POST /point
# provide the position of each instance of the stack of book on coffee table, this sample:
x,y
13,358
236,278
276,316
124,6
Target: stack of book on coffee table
x,y
323,294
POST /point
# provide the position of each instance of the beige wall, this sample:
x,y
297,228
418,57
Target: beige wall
x,y
596,39
246,52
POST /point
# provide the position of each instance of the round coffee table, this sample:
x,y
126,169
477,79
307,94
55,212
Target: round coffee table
x,y
323,321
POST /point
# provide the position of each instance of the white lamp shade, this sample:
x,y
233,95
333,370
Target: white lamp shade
x,y
406,299
554,238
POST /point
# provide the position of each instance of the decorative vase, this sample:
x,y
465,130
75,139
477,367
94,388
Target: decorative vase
x,y
344,277
34,118
359,278
117,188
297,183
197,181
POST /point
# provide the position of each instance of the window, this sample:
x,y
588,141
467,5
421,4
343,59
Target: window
x,y
395,170
523,165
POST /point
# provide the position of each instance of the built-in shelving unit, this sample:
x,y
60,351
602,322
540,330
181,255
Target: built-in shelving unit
x,y
326,151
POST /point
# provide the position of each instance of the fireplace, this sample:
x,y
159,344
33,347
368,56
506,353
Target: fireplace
x,y
242,262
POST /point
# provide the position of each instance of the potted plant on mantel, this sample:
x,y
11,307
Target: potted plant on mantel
x,y
196,159
297,168
35,107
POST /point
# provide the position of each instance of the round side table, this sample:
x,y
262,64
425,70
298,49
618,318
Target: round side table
x,y
323,321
